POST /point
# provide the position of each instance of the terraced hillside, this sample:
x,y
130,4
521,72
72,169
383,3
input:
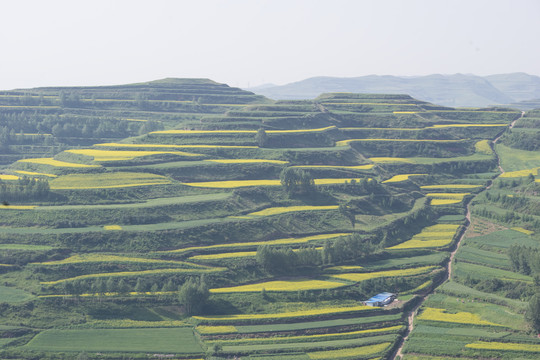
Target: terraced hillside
x,y
253,232
44,121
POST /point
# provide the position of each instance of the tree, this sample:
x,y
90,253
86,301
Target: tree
x,y
533,313
193,294
261,138
296,181
346,211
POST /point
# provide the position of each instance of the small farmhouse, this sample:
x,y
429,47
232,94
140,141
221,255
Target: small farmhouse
x,y
381,299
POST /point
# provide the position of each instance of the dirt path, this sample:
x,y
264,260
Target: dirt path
x,y
410,318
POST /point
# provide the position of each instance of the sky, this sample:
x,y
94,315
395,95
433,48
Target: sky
x,y
247,43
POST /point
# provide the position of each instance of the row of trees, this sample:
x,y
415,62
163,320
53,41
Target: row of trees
x,y
285,260
193,294
24,189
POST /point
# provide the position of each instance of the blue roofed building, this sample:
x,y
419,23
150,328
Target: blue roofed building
x,y
381,299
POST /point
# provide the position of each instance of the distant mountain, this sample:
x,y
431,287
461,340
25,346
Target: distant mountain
x,y
459,90
519,86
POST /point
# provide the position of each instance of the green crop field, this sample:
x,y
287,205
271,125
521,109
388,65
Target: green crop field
x,y
177,341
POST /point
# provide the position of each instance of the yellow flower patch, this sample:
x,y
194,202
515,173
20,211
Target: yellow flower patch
x,y
448,195
432,236
97,258
112,227
202,329
282,210
34,173
485,345
281,285
461,317
522,230
520,173
483,147
355,167
450,186
444,201
286,241
399,178
17,207
247,161
175,146
121,155
357,277
107,180
56,163
9,177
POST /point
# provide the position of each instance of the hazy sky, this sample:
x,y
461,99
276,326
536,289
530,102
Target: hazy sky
x,y
251,42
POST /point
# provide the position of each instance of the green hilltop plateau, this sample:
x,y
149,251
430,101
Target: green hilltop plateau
x,y
186,219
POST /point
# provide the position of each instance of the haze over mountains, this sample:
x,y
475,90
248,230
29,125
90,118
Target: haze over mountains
x,y
458,90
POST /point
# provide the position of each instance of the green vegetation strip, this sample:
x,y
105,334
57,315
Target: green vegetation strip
x,y
13,295
309,345
316,324
169,340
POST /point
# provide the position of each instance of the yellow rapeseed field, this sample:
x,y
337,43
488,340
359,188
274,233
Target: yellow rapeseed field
x,y
176,146
107,180
520,173
467,125
447,195
34,173
444,201
9,177
432,236
227,255
281,285
17,207
112,227
285,241
318,336
450,186
357,277
290,314
360,352
461,317
492,345
205,329
242,183
282,210
402,177
121,155
483,147
354,167
346,142
522,230
97,258
196,132
56,163
234,183
247,161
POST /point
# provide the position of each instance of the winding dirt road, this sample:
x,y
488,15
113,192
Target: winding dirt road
x,y
410,318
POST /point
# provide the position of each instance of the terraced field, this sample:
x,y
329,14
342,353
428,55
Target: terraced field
x,y
229,225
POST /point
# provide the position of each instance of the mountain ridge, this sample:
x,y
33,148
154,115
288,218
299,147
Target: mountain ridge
x,y
457,90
